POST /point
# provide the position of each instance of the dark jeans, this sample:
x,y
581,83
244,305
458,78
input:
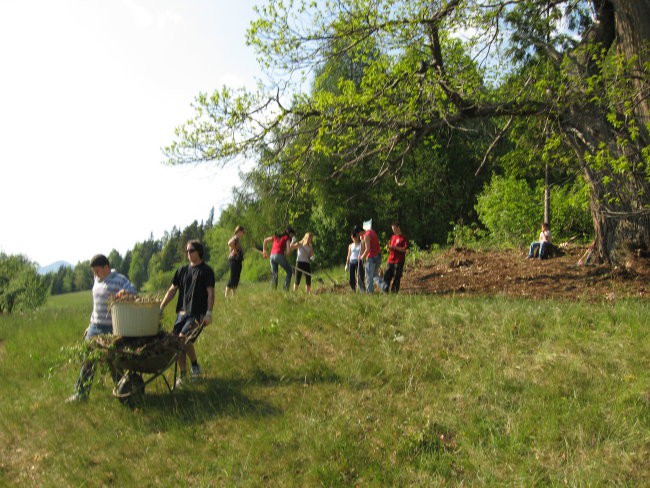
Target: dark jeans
x,y
357,276
393,273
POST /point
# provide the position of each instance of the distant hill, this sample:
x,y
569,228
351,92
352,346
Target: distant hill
x,y
54,267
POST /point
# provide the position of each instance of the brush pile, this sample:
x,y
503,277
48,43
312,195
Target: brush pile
x,y
143,354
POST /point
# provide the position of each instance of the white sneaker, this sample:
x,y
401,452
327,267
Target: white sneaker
x,y
195,372
181,380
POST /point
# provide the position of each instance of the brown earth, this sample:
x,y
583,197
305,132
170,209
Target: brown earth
x,y
509,273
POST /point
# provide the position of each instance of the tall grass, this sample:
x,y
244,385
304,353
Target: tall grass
x,y
341,390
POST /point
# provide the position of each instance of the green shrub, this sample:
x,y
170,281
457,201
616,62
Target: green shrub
x,y
21,287
570,214
510,210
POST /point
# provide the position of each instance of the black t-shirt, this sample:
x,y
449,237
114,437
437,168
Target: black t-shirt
x,y
193,283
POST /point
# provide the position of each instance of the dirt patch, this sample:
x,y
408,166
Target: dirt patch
x,y
509,273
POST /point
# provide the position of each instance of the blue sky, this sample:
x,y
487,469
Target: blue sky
x,y
89,93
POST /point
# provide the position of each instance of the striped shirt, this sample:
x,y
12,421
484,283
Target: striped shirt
x,y
103,291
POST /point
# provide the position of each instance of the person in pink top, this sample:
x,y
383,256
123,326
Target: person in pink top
x,y
396,257
279,250
371,256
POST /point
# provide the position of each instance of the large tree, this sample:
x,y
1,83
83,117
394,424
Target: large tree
x,y
577,68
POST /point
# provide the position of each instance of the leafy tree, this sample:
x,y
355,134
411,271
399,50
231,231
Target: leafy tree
x,y
83,276
117,262
21,287
578,67
140,257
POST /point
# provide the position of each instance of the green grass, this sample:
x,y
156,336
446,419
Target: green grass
x,y
343,390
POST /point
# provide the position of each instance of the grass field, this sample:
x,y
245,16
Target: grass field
x,y
345,390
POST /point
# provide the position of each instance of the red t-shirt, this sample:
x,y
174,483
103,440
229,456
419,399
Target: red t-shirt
x,y
395,257
279,244
373,246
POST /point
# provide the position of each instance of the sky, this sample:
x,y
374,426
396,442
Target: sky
x,y
90,91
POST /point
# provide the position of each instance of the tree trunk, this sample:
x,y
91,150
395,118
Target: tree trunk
x,y
620,198
632,39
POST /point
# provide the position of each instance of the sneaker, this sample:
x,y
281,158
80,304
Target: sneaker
x,y
196,371
77,398
181,380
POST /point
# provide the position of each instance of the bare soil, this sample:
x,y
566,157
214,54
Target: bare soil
x,y
510,273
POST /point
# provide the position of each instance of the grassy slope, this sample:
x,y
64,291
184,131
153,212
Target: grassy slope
x,y
335,390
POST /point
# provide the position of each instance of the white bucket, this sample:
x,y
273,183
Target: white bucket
x,y
135,319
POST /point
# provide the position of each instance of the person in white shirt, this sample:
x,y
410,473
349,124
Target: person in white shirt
x,y
303,260
543,245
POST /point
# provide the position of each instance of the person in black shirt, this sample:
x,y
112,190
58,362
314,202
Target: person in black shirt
x,y
195,281
235,258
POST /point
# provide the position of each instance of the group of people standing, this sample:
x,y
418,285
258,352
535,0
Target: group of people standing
x,y
282,244
364,260
194,282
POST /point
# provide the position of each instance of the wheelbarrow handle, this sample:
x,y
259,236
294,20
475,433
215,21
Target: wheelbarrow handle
x,y
195,331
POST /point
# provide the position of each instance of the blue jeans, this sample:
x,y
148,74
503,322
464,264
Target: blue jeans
x,y
542,247
371,266
280,260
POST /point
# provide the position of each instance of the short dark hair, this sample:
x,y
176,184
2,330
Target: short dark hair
x,y
197,246
99,260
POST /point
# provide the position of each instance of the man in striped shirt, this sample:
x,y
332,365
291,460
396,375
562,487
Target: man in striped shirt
x,y
108,283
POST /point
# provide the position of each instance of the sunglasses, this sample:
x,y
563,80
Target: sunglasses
x,y
190,250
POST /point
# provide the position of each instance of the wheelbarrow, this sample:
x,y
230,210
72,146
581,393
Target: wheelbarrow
x,y
140,360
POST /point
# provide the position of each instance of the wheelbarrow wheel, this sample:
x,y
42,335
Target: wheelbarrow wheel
x,y
130,388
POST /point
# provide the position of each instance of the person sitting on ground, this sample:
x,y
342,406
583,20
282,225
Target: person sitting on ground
x,y
108,284
303,260
543,246
353,263
195,281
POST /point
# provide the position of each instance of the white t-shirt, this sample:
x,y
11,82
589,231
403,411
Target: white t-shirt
x,y
304,253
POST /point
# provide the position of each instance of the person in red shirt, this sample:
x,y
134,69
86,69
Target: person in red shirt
x,y
396,257
279,250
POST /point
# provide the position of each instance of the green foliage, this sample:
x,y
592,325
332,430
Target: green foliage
x,y
83,276
463,235
158,282
510,210
140,257
255,268
216,239
21,287
570,212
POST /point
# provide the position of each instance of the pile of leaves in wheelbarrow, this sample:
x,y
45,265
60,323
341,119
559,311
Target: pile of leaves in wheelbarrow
x,y
142,354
